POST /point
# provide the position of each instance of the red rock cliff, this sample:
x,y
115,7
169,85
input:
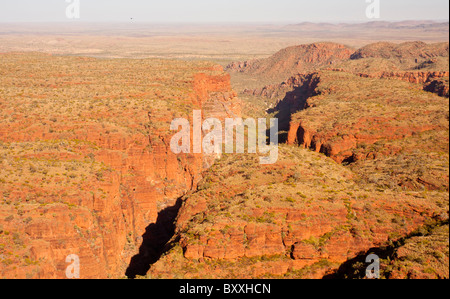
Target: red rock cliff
x,y
131,174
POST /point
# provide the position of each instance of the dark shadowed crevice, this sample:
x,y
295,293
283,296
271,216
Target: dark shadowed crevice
x,y
355,268
155,239
349,160
293,102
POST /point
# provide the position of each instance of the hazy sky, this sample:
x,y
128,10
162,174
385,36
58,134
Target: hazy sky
x,y
201,11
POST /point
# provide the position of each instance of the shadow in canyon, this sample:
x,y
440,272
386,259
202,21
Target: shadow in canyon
x,y
356,268
155,239
294,101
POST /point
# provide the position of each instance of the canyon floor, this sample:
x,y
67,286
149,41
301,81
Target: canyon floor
x,y
86,166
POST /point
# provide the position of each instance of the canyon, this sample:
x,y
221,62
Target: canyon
x,y
364,136
87,169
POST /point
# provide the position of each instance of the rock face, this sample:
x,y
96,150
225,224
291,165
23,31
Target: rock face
x,y
357,111
308,216
306,81
85,175
411,77
414,62
354,111
435,82
86,167
253,221
351,135
294,60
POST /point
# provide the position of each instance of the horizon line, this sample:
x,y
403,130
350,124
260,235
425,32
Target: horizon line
x,y
133,21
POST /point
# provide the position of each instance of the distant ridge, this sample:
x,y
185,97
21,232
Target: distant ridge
x,y
409,50
400,25
311,57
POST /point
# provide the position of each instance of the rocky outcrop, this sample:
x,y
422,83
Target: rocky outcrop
x,y
307,216
432,81
351,137
342,149
93,186
414,62
294,60
278,224
308,83
411,77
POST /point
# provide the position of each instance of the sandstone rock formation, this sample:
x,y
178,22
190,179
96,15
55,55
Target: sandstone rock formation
x,y
302,218
353,119
411,77
377,127
309,217
86,167
294,60
83,169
